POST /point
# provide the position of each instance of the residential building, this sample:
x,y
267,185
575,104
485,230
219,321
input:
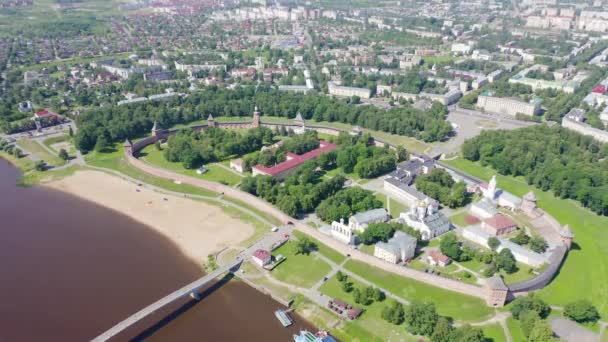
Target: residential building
x,y
436,258
508,106
399,248
575,120
338,90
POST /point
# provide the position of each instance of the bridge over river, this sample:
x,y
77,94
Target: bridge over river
x,y
192,288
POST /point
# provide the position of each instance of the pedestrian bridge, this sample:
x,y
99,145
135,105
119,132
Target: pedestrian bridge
x,y
192,288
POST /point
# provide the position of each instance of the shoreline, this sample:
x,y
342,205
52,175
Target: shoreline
x,y
191,225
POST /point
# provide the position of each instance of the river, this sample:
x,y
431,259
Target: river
x,y
71,269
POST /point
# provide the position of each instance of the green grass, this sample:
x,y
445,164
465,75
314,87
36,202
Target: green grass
x,y
327,252
54,140
523,273
590,249
31,177
459,219
396,207
448,303
515,330
369,326
39,151
300,270
494,333
215,174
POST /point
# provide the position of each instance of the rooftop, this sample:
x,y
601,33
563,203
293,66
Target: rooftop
x,y
296,160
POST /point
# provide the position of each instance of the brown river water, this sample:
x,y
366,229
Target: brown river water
x,y
71,269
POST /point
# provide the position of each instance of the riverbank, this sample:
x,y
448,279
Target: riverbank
x,y
197,228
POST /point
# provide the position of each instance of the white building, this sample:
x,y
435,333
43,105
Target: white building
x,y
338,90
508,106
423,218
575,120
399,248
483,209
343,233
360,221
479,236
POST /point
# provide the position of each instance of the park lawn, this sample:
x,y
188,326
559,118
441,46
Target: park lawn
x,y
300,270
590,248
370,325
396,207
38,150
474,265
523,273
515,330
54,140
494,333
448,303
216,173
323,249
368,249
459,219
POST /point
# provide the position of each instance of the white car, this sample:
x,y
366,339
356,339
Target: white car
x,y
274,229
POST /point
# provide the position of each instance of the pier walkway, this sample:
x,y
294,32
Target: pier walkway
x,y
193,287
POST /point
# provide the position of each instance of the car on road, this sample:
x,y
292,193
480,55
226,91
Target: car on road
x,y
275,229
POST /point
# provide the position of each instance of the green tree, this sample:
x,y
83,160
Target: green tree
x,y
493,243
63,154
304,246
71,131
450,246
379,296
506,261
527,320
40,165
581,311
541,332
529,302
538,244
341,276
101,144
467,333
443,331
347,286
17,153
521,238
393,313
421,318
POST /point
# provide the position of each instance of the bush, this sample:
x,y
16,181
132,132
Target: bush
x,y
529,302
581,311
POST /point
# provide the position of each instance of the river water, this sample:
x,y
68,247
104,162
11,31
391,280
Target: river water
x,y
71,269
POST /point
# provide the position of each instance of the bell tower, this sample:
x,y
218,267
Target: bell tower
x,y
256,117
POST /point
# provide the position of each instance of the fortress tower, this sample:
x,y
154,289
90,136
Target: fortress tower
x,y
256,117
211,121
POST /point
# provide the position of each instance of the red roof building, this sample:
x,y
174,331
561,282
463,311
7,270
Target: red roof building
x,y
45,113
282,170
262,257
436,258
600,89
498,224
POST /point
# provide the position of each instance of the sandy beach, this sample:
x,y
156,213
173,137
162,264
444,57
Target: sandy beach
x,y
197,228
